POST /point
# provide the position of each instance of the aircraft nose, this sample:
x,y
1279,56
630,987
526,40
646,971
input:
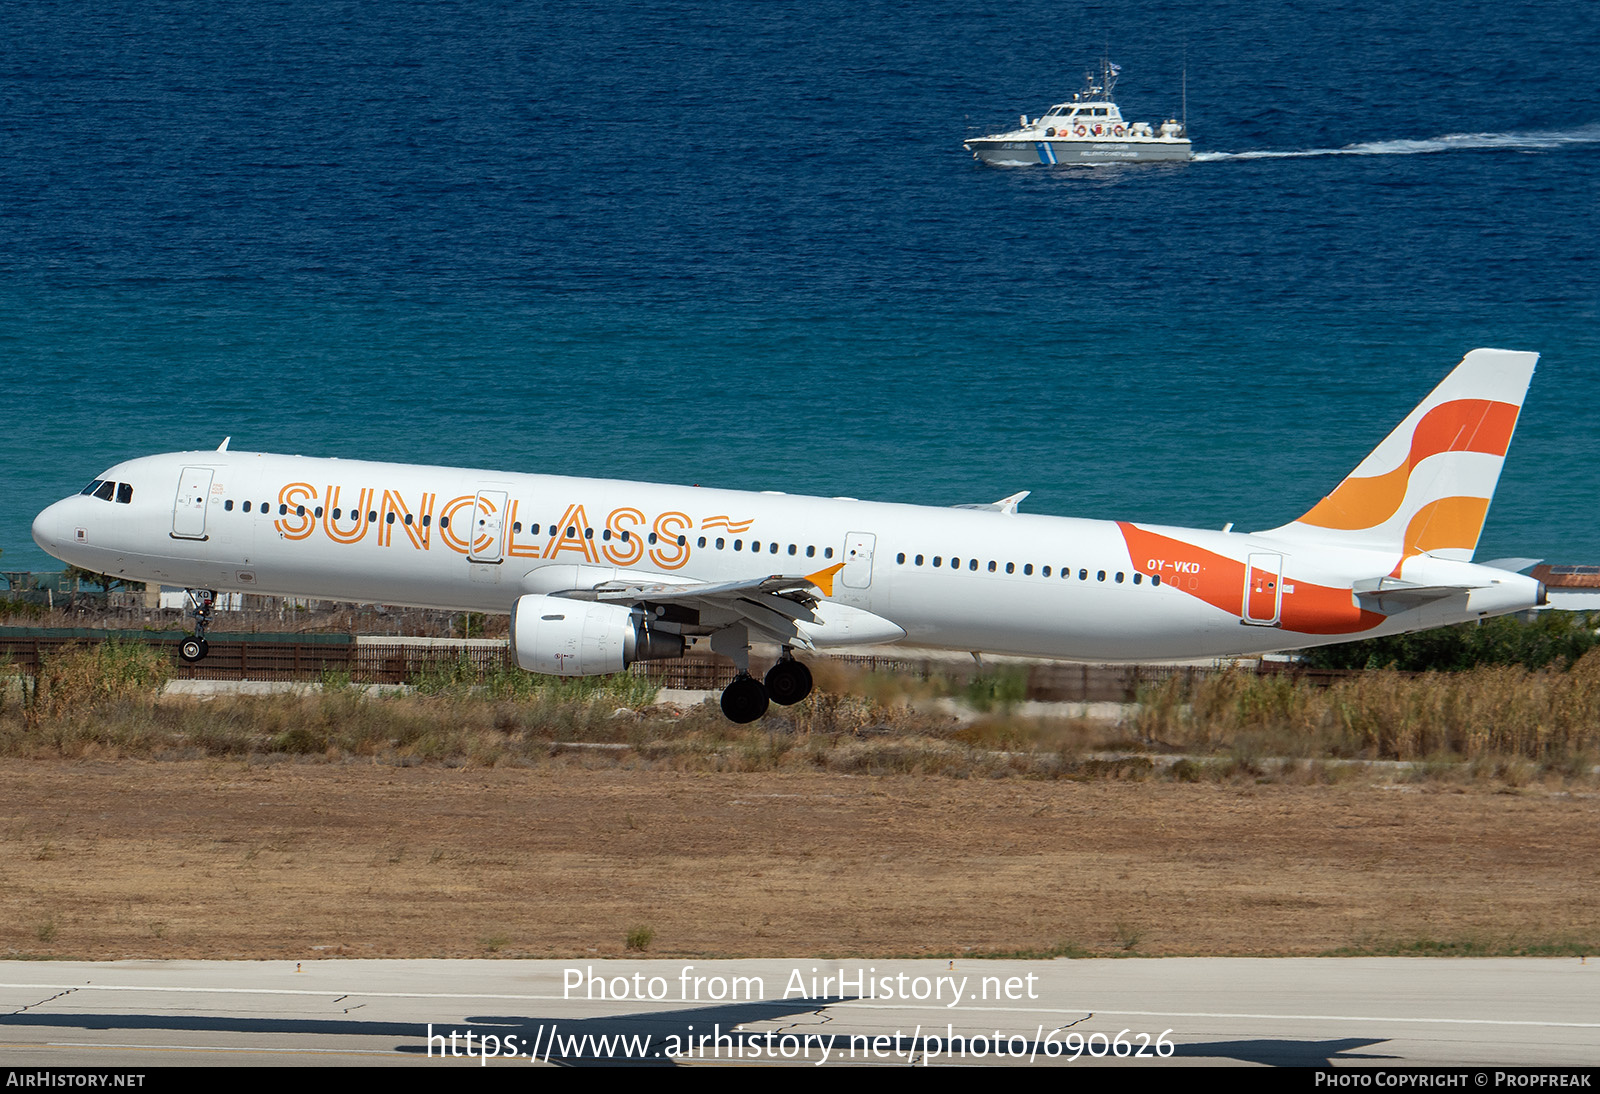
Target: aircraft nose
x,y
47,528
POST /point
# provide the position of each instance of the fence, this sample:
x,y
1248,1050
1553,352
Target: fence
x,y
278,657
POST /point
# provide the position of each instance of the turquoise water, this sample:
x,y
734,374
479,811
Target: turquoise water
x,y
745,248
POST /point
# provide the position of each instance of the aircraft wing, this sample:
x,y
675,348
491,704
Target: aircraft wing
x,y
1004,505
768,605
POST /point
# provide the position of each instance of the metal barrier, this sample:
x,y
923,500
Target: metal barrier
x,y
311,657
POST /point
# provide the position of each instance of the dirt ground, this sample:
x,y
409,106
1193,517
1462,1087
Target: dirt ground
x,y
215,859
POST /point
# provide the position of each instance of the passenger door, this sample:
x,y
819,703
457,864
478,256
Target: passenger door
x,y
189,507
857,572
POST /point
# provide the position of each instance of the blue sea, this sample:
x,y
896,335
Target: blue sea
x,y
741,245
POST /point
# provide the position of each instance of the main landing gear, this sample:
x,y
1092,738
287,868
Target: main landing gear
x,y
788,681
195,647
746,698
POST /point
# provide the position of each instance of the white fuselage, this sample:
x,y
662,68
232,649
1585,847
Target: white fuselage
x,y
966,579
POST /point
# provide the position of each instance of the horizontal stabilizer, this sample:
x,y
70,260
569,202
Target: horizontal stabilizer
x,y
1390,594
1514,565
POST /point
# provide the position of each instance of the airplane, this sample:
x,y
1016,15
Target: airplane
x,y
598,574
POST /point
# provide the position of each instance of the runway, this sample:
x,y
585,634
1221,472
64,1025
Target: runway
x,y
1468,1013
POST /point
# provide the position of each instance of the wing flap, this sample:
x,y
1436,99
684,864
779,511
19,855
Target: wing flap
x,y
771,605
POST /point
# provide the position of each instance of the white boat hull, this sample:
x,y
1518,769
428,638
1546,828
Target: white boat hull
x,y
1077,152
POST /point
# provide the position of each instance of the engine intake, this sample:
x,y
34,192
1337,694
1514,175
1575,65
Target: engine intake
x,y
560,637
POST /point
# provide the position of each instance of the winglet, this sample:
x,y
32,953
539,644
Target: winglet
x,y
823,579
223,447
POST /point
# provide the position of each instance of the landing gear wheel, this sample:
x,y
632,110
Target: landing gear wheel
x,y
193,649
744,700
788,682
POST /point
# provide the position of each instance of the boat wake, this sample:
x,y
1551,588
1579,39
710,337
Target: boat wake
x,y
1544,141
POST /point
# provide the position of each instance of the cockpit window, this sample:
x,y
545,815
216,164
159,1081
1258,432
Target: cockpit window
x,y
124,493
107,488
92,487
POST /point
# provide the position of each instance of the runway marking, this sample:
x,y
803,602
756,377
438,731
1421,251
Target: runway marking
x,y
1228,1014
210,1048
335,992
338,993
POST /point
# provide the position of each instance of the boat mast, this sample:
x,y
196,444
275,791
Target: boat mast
x,y
1186,85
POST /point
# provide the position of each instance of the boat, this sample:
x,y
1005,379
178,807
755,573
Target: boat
x,y
1088,130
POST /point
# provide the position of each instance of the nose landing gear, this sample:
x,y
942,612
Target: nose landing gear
x,y
194,648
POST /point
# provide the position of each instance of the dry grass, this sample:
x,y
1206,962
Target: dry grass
x,y
493,814
277,857
1503,725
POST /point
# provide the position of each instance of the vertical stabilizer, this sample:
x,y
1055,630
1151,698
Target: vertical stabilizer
x,y
1427,487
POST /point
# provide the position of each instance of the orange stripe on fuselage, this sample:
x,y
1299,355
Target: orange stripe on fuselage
x,y
1219,581
1461,425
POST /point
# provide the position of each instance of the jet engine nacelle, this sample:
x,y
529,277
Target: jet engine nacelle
x,y
560,637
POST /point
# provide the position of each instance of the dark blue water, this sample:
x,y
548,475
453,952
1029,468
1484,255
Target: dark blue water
x,y
741,245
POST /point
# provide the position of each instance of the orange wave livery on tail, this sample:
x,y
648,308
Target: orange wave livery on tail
x,y
1426,488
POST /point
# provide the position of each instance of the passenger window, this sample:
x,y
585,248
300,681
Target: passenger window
x,y
1137,577
991,565
721,543
388,518
936,560
683,541
955,563
408,521
588,533
1155,579
1027,570
1045,572
318,512
516,526
444,522
227,506
811,552
919,560
1101,576
1083,575
900,558
300,511
124,493
651,538
755,546
827,552
372,516
533,530
1011,568
738,545
246,508
772,549
972,564
793,549
1119,577
427,519
702,541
